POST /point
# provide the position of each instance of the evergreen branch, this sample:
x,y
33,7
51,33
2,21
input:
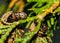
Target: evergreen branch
x,y
29,35
50,10
4,26
3,31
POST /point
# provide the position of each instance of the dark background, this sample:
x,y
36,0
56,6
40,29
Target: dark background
x,y
56,38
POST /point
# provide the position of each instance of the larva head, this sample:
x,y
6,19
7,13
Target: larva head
x,y
23,15
20,15
17,15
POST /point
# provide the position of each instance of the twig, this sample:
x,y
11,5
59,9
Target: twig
x,y
12,3
21,6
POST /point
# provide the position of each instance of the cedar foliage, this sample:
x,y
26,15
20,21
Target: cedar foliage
x,y
40,13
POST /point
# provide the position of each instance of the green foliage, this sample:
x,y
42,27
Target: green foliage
x,y
38,8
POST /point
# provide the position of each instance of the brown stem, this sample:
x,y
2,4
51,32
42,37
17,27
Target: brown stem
x,y
21,6
12,3
32,27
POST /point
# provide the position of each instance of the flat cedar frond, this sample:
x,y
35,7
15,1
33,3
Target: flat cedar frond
x,y
29,21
